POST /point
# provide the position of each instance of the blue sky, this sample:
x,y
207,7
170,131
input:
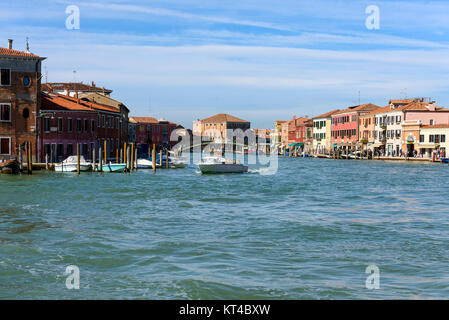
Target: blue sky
x,y
258,60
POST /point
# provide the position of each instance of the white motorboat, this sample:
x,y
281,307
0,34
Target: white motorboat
x,y
144,164
175,162
221,165
70,165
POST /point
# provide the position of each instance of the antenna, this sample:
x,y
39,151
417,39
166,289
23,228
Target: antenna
x,y
28,46
46,73
74,75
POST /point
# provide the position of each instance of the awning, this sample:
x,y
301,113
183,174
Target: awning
x,y
299,144
377,145
427,146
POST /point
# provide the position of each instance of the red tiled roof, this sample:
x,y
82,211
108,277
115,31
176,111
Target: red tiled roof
x,y
149,120
16,53
327,114
223,117
55,102
87,104
401,101
144,119
72,86
380,110
90,104
419,106
362,107
436,126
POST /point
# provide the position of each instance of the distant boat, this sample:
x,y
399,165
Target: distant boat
x,y
221,165
70,165
9,167
177,162
114,167
173,163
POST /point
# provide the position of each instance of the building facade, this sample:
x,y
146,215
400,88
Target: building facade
x,y
216,127
345,125
20,84
322,132
151,131
66,122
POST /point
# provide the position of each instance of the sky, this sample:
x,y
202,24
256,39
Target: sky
x,y
258,60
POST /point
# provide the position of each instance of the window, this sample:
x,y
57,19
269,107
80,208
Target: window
x,y
59,124
5,145
103,121
5,77
86,125
26,81
79,124
70,149
443,138
47,124
26,113
5,112
431,122
421,138
431,138
69,125
85,150
60,150
93,126
98,121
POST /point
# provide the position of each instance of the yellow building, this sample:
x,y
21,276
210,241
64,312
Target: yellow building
x,y
433,138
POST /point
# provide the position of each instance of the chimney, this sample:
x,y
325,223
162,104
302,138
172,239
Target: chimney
x,y
431,107
9,43
93,84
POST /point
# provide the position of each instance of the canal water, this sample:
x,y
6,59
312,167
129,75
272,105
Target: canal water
x,y
307,232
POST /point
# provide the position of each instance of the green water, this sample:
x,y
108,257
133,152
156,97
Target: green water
x,y
307,232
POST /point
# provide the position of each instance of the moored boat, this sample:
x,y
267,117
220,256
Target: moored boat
x,y
144,163
114,167
221,165
9,167
70,165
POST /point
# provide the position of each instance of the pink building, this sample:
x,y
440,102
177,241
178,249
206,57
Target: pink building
x,y
345,124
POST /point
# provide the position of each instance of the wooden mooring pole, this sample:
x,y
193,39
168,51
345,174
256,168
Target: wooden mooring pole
x,y
78,158
127,158
132,157
135,159
166,162
124,153
154,158
93,159
100,160
105,152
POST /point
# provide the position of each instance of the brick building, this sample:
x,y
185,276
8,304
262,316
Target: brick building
x,y
20,74
66,121
149,131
